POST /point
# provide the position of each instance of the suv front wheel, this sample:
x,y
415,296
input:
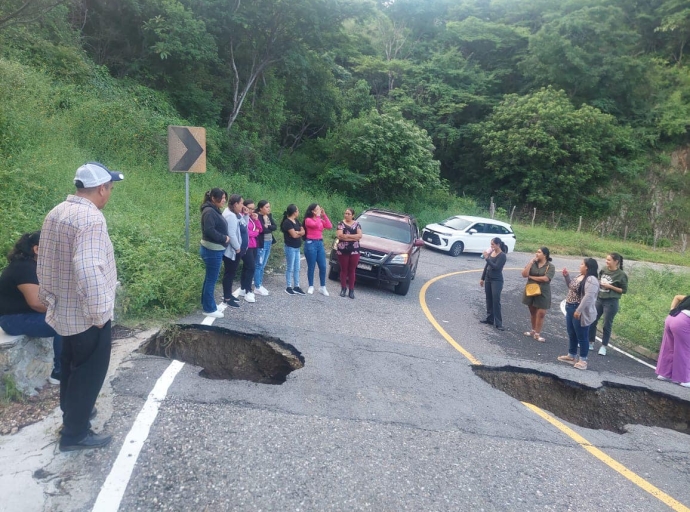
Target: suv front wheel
x,y
403,286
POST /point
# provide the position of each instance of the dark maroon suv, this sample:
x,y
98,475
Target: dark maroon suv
x,y
389,249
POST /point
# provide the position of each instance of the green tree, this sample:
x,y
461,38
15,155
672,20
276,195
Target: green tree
x,y
381,157
542,151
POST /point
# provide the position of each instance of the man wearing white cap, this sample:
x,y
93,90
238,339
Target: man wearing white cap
x,y
77,280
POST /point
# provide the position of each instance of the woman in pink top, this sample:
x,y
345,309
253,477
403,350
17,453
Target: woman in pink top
x,y
254,229
315,221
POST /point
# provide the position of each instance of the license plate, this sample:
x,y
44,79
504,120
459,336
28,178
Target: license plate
x,y
364,266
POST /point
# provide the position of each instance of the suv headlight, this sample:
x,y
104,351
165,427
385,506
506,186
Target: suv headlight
x,y
399,259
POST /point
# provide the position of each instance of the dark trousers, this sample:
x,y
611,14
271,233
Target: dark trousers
x,y
229,271
348,266
85,360
608,308
248,267
493,290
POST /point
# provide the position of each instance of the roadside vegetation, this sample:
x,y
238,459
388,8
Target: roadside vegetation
x,y
465,111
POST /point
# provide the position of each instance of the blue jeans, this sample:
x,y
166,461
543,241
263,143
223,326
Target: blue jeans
x,y
292,260
35,326
315,254
212,260
576,333
608,308
261,260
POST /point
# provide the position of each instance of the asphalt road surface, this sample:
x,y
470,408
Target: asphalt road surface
x,y
386,414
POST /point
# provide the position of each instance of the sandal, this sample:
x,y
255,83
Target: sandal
x,y
538,337
529,333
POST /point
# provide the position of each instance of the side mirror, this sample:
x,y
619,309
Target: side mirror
x,y
418,242
472,231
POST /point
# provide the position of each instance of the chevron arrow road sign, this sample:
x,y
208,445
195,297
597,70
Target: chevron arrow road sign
x,y
186,149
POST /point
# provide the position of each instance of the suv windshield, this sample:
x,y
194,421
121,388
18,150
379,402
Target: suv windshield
x,y
385,228
456,223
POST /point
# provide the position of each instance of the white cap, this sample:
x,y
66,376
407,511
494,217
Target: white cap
x,y
93,174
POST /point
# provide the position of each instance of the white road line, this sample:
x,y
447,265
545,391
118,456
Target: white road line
x,y
208,320
114,487
613,347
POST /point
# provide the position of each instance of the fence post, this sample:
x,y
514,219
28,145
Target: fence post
x,y
511,214
534,214
492,208
579,225
625,233
684,238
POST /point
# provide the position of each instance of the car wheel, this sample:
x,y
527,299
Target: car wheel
x,y
403,286
456,249
333,275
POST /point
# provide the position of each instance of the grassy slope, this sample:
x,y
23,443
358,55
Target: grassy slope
x,y
47,129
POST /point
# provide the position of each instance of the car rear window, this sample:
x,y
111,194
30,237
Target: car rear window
x,y
385,228
455,223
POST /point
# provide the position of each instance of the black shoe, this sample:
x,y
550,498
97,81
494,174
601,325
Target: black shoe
x,y
232,302
485,322
91,441
289,291
298,290
352,294
343,292
500,328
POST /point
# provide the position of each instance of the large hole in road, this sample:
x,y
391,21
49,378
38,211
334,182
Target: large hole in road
x,y
609,407
227,354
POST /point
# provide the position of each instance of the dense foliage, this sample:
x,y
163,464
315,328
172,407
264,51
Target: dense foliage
x,y
578,108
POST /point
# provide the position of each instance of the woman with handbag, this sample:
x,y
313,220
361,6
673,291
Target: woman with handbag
x,y
492,281
580,311
539,272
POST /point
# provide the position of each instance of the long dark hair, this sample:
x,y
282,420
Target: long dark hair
x,y
290,210
684,304
214,193
24,248
592,268
617,258
545,251
310,210
500,243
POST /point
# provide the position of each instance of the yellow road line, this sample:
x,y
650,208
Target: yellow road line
x,y
596,452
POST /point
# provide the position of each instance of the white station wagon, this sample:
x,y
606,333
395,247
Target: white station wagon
x,y
463,233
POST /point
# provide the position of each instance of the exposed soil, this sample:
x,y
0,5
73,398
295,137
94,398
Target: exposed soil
x,y
227,354
15,415
611,406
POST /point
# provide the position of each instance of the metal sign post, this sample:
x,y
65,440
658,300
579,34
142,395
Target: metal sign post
x,y
187,154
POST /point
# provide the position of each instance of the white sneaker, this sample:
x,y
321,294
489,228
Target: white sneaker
x,y
602,351
238,293
249,297
685,384
261,291
214,314
323,291
310,290
591,346
661,377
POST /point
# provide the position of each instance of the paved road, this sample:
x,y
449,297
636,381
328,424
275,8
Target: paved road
x,y
385,415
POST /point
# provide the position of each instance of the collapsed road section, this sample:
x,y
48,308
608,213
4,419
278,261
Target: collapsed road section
x,y
226,354
610,406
